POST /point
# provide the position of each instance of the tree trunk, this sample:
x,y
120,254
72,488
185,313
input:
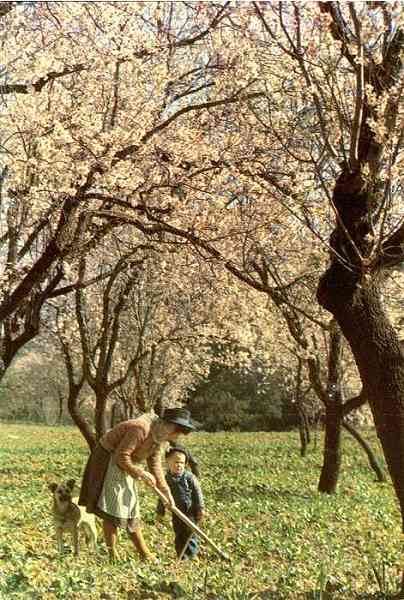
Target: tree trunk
x,y
129,409
307,427
100,414
303,424
159,407
77,418
60,408
333,415
373,462
332,449
114,414
355,303
304,431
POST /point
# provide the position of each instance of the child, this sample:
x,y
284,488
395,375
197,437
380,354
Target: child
x,y
191,462
188,497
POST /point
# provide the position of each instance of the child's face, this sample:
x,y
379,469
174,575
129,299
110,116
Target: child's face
x,y
176,463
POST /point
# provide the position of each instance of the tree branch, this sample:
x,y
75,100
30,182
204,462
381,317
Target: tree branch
x,y
26,88
393,249
5,8
130,150
339,28
360,92
353,403
216,19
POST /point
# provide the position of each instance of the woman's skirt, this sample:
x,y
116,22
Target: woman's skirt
x,y
109,492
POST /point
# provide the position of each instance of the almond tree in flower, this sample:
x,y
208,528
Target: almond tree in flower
x,y
99,127
325,144
209,124
322,138
143,332
86,90
35,388
321,352
167,328
340,127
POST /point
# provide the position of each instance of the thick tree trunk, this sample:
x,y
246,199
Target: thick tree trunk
x,y
114,419
333,415
77,418
100,414
373,462
332,448
355,303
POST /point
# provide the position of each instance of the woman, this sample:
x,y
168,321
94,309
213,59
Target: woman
x,y
109,482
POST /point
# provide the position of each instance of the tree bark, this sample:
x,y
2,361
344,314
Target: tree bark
x,y
60,406
332,447
303,421
78,419
100,413
303,431
375,346
333,415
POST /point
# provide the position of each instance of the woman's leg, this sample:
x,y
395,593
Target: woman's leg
x,y
110,537
140,544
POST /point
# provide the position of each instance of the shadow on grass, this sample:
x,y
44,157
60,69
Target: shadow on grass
x,y
324,595
232,492
378,596
263,489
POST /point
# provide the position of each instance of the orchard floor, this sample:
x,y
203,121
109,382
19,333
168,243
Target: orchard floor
x,y
286,541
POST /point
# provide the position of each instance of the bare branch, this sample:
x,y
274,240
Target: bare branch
x,y
360,92
353,403
393,248
26,88
238,97
217,18
339,28
6,7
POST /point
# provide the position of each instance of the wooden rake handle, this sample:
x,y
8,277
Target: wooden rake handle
x,y
191,525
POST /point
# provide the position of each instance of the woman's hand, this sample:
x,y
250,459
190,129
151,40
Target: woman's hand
x,y
148,478
160,520
168,499
199,516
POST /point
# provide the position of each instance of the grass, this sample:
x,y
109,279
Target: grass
x,y
286,540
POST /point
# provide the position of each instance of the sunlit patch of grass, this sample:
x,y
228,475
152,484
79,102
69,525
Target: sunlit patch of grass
x,y
263,509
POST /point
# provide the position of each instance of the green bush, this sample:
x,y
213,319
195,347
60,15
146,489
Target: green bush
x,y
236,400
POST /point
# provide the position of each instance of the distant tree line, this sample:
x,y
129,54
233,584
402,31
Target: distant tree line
x,y
227,399
234,400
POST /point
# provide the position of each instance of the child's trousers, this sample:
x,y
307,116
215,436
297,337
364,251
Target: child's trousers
x,y
182,537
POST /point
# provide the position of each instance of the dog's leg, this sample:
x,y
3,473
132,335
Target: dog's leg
x,y
90,534
76,541
59,539
94,536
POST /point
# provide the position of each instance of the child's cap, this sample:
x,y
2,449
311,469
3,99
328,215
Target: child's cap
x,y
178,448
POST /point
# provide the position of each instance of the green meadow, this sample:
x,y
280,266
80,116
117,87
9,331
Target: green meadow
x,y
285,540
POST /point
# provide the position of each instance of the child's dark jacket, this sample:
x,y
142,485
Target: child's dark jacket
x,y
186,492
188,498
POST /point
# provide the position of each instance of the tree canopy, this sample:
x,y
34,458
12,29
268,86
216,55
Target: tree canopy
x,y
265,139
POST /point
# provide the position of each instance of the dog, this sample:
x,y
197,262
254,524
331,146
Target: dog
x,y
69,516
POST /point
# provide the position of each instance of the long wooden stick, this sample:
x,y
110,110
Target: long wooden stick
x,y
191,524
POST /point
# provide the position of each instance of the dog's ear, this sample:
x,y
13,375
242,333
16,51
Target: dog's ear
x,y
71,483
52,487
